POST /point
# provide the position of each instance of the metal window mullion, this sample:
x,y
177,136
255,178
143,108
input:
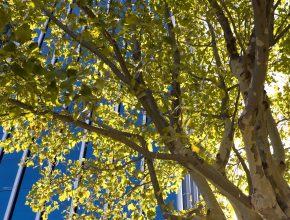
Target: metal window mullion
x,y
82,155
179,198
16,186
108,6
1,153
186,192
42,34
117,108
194,192
142,163
51,168
4,136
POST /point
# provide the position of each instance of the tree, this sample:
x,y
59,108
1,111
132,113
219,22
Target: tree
x,y
200,70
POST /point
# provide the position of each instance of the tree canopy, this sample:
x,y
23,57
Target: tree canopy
x,y
212,78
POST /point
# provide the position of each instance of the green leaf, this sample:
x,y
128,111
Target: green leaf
x,y
19,71
131,19
100,84
59,74
4,18
85,90
68,84
23,33
71,72
10,47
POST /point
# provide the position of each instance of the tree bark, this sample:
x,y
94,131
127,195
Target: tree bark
x,y
253,123
277,145
225,147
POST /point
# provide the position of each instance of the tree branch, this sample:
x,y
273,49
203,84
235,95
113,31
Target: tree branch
x,y
203,78
276,142
228,34
255,93
115,168
280,35
234,26
276,4
270,17
232,87
127,134
235,114
223,154
158,193
156,187
110,133
176,91
210,115
245,168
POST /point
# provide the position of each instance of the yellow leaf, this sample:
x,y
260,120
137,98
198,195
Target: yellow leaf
x,y
31,5
195,148
131,207
62,197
